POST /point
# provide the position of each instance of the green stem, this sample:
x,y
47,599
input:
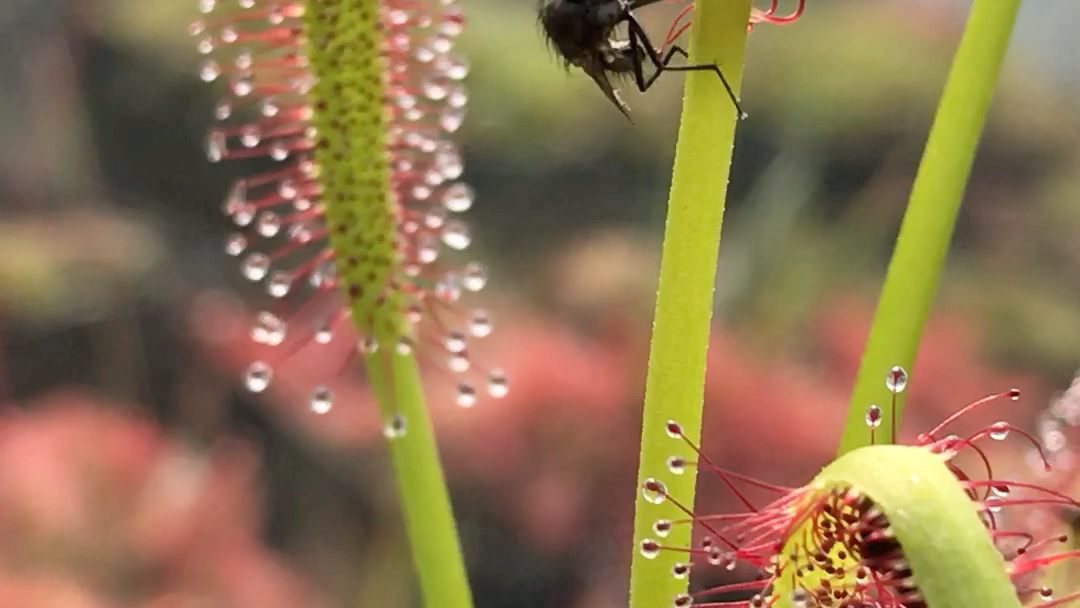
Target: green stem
x,y
425,501
927,228
675,384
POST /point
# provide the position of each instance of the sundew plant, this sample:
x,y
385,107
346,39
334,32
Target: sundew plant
x,y
349,219
352,103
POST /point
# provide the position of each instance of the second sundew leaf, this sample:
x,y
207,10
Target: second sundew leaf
x,y
883,526
923,242
943,541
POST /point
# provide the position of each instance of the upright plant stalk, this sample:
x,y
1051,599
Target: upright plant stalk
x,y
927,228
675,384
425,501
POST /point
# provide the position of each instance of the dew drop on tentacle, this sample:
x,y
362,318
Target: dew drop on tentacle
x,y
257,377
674,429
662,527
480,325
677,465
999,431
368,345
322,400
466,395
395,427
255,267
896,380
459,362
215,146
268,329
279,284
873,416
455,342
324,335
715,557
456,235
474,276
498,385
458,198
654,491
209,71
235,244
650,548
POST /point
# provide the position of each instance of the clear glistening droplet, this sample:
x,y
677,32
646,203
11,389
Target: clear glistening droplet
x,y
896,380
650,548
258,377
999,431
654,491
209,71
455,342
268,329
459,362
458,198
235,244
480,325
674,429
268,224
255,267
474,276
466,395
322,400
368,345
715,557
873,416
498,386
456,235
279,284
395,427
662,527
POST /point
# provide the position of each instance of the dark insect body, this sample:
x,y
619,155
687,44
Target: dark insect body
x,y
583,33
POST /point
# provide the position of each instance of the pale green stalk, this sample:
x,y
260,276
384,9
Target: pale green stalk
x,y
927,228
425,501
684,300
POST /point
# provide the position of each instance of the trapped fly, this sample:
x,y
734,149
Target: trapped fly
x,y
582,32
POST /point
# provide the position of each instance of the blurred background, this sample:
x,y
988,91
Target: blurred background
x,y
135,472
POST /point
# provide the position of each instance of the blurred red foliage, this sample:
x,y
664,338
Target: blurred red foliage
x,y
100,508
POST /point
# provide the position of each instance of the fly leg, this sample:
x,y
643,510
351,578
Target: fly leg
x,y
640,45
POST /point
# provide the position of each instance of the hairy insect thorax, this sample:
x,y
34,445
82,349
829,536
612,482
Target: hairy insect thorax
x,y
580,30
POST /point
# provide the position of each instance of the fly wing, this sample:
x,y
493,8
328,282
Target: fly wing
x,y
600,77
